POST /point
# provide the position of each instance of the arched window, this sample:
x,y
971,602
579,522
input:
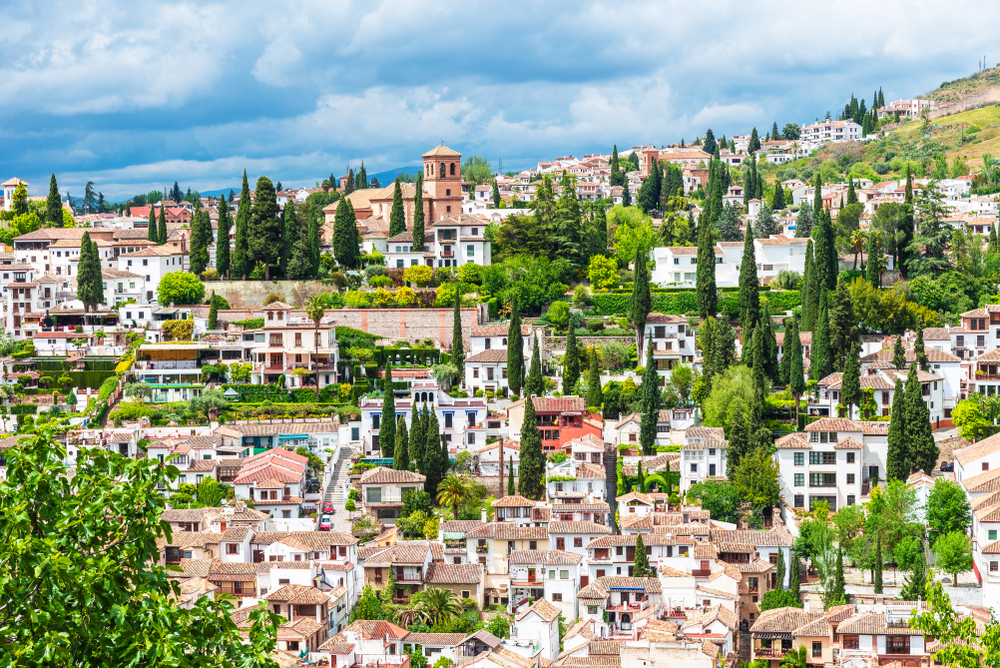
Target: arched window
x,y
505,340
453,169
442,171
430,169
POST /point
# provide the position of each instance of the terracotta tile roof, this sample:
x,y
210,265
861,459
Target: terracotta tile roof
x,y
547,557
512,502
554,404
601,587
716,433
717,593
833,424
848,444
969,454
987,481
874,624
784,620
635,496
380,475
373,629
794,441
497,330
777,536
456,526
543,609
576,527
756,566
454,574
443,639
193,568
276,463
493,355
293,593
190,539
663,319
933,355
235,571
400,554
235,534
716,612
588,471
508,531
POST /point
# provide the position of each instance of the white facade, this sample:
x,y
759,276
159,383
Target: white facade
x,y
703,455
827,131
153,263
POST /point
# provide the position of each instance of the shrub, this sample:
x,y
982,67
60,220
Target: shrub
x,y
381,281
209,275
358,299
581,295
558,313
595,325
881,168
350,506
374,270
178,330
340,280
419,274
273,297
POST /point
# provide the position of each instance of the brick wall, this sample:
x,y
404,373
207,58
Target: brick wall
x,y
411,324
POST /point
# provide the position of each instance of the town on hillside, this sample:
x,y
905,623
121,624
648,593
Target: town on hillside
x,y
730,402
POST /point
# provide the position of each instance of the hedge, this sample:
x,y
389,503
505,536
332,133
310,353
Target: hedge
x,y
679,303
23,409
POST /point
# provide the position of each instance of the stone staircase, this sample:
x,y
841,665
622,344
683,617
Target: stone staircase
x,y
334,491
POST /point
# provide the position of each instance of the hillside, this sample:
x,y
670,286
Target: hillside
x,y
952,91
966,135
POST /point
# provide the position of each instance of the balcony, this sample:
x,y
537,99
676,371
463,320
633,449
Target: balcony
x,y
447,253
524,581
771,652
700,573
482,549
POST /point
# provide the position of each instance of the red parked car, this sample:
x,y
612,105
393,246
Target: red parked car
x,y
328,508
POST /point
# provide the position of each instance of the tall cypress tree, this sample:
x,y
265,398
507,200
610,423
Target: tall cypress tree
x,y
796,375
416,437
85,279
872,266
822,357
648,196
457,345
222,243
617,177
510,477
793,575
852,196
923,450
401,454
705,277
919,353
531,470
241,265
213,312
749,295
346,238
161,228
151,234
432,455
200,239
877,579
769,344
534,385
314,244
650,403
265,229
496,195
515,351
906,227
843,325
822,250
53,205
897,460
898,354
754,145
778,199
595,396
361,179
387,431
397,217
850,384
779,571
626,196
640,567
709,144
809,291
642,299
571,361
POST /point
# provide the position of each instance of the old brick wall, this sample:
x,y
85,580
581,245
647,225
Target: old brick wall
x,y
410,324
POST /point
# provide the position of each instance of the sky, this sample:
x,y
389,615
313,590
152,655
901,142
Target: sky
x,y
136,95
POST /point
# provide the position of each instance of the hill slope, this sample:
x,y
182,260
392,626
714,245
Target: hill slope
x,y
952,91
966,135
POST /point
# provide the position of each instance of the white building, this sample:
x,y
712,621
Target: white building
x,y
153,263
551,574
703,455
977,470
824,470
826,131
451,242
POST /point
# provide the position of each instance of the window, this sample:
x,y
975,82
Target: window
x,y
800,501
850,499
232,548
376,420
800,479
993,567
557,597
564,575
822,479
448,417
817,649
897,644
823,458
993,534
533,545
560,543
578,541
470,250
850,457
465,593
800,458
694,468
374,495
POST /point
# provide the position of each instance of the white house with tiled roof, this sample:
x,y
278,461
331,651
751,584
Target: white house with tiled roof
x,y
621,602
977,470
673,342
828,471
154,263
539,621
943,363
555,575
703,455
275,480
382,491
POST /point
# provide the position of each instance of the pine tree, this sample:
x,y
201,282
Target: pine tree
x,y
457,345
151,234
642,299
161,228
534,385
898,354
595,396
569,224
401,454
749,294
222,243
754,145
531,473
850,384
571,361
897,466
387,430
877,578
809,293
416,437
418,213
920,355
397,217
649,401
709,145
705,278
923,450
346,239
510,477
872,273
213,313
843,325
641,567
729,224
264,230
793,575
241,265
822,357
515,351
804,221
53,206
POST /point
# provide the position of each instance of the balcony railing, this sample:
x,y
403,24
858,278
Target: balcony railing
x,y
771,652
447,253
700,573
482,549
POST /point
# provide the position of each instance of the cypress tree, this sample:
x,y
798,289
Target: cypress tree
x,y
920,355
850,384
457,345
793,575
151,234
531,473
852,196
515,351
717,190
898,354
739,439
754,145
779,572
769,345
648,196
346,238
198,255
784,364
822,252
361,180
496,195
906,227
626,196
432,455
241,265
213,313
401,455
264,230
387,431
923,450
838,595
775,136
809,292
649,399
897,465
705,283
915,586
222,243
571,362
397,217
709,145
872,273
749,295
314,244
349,186
822,356
642,299
289,236
817,195
877,578
535,386
641,565
595,397
416,437
53,205
843,325
85,279
617,177
418,214
510,477
778,199
161,228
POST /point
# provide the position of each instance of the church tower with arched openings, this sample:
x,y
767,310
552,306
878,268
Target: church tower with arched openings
x,y
443,182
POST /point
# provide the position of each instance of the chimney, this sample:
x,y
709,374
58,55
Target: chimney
x,y
483,514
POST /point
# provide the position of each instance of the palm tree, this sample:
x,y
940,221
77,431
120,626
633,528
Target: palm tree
x,y
454,490
437,605
858,239
315,310
798,657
